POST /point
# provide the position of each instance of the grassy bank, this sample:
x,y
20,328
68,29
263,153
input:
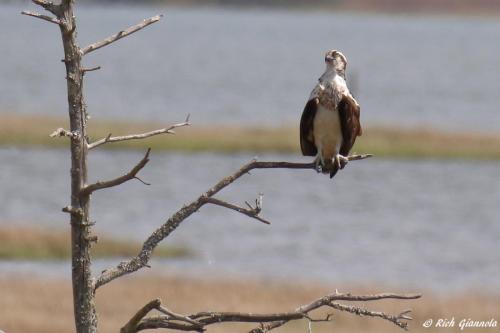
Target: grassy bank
x,y
33,131
116,302
33,243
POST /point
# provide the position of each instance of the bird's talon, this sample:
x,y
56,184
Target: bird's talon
x,y
341,161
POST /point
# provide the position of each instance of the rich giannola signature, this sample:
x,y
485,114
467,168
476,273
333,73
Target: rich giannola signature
x,y
462,323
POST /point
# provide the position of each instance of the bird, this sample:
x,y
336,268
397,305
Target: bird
x,y
330,122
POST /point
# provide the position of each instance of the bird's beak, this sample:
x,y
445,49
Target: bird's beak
x,y
328,58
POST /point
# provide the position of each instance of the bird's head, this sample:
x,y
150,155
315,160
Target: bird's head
x,y
335,60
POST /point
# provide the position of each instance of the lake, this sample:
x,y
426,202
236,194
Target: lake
x,y
256,66
404,223
419,224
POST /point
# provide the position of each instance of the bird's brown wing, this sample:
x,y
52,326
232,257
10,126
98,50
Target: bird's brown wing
x,y
349,113
306,128
348,110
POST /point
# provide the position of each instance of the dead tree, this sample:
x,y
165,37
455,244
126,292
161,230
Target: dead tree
x,y
84,284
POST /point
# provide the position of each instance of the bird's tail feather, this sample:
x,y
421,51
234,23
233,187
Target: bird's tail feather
x,y
330,167
333,170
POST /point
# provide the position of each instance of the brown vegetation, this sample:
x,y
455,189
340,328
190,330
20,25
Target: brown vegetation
x,y
31,305
422,6
460,7
35,243
33,131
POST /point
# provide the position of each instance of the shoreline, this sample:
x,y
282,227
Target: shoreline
x,y
418,8
32,243
32,131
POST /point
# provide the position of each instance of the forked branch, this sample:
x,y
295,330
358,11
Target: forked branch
x,y
121,34
136,319
132,174
142,259
198,322
49,6
110,139
398,320
252,212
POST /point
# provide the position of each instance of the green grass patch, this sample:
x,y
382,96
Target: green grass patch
x,y
34,243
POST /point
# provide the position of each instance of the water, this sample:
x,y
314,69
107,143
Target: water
x,y
258,66
414,224
423,224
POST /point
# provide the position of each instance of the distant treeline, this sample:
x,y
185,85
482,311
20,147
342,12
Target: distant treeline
x,y
387,6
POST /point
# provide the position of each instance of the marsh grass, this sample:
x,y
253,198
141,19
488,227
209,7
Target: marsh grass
x,y
34,243
33,131
34,305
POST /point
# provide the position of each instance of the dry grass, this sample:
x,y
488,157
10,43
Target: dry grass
x,y
32,131
31,305
34,243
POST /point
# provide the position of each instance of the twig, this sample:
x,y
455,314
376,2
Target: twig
x,y
131,325
198,322
142,259
91,69
252,212
142,181
398,320
86,190
179,317
49,6
41,16
73,210
329,301
121,34
109,138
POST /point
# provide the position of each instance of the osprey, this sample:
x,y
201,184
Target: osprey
x,y
330,121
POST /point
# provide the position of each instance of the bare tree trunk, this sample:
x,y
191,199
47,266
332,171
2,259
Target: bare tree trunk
x,y
83,294
81,238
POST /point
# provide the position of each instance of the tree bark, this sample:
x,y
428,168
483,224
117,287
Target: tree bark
x,y
81,238
83,293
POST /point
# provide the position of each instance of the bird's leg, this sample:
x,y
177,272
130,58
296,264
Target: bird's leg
x,y
341,161
319,161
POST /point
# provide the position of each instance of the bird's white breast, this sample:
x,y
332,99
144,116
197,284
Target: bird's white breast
x,y
327,131
326,126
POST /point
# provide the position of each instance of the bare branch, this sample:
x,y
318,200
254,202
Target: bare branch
x,y
130,327
121,34
88,189
41,16
49,6
73,211
109,138
328,301
179,317
142,259
198,322
91,69
252,212
159,322
399,320
142,181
